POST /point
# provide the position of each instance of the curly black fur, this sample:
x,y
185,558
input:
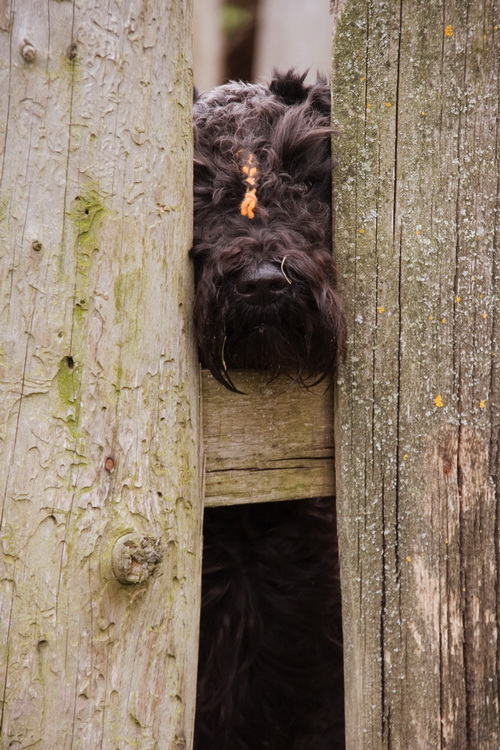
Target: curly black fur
x,y
299,330
270,667
270,663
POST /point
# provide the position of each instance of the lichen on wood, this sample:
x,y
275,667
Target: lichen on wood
x,y
415,93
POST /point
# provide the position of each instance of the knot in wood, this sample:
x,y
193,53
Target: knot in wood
x,y
447,466
135,558
28,52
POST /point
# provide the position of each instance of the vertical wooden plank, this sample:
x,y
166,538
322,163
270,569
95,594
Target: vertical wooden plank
x,y
98,375
416,100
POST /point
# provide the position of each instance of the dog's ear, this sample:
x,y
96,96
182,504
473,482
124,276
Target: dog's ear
x,y
289,86
319,96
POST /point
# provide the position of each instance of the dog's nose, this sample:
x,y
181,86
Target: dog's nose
x,y
261,285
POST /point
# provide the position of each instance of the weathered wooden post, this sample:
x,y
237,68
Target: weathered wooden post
x,y
416,100
99,468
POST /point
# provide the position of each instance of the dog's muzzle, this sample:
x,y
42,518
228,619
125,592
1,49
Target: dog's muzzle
x,y
262,284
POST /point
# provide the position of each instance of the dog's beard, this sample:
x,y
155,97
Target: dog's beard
x,y
298,336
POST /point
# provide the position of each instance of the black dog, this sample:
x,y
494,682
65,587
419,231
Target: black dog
x,y
270,670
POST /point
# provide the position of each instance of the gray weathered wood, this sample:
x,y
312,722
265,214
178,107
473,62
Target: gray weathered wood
x,y
273,443
98,376
416,102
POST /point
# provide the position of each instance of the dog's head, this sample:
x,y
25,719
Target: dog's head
x,y
266,285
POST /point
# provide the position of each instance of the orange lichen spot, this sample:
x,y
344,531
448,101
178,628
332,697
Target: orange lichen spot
x,y
417,231
368,106
431,317
424,114
405,457
484,316
457,299
361,230
388,104
408,559
381,310
443,320
438,401
482,404
448,31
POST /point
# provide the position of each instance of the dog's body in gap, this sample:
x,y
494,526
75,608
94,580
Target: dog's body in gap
x,y
270,666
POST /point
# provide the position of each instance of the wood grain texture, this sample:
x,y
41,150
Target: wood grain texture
x,y
273,443
416,103
98,375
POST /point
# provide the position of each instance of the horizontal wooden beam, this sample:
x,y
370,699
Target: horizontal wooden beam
x,y
275,442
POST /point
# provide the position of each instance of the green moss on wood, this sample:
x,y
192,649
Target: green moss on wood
x,y
86,214
68,380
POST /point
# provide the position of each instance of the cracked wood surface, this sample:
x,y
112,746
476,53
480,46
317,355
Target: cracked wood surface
x,y
416,105
273,443
98,375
